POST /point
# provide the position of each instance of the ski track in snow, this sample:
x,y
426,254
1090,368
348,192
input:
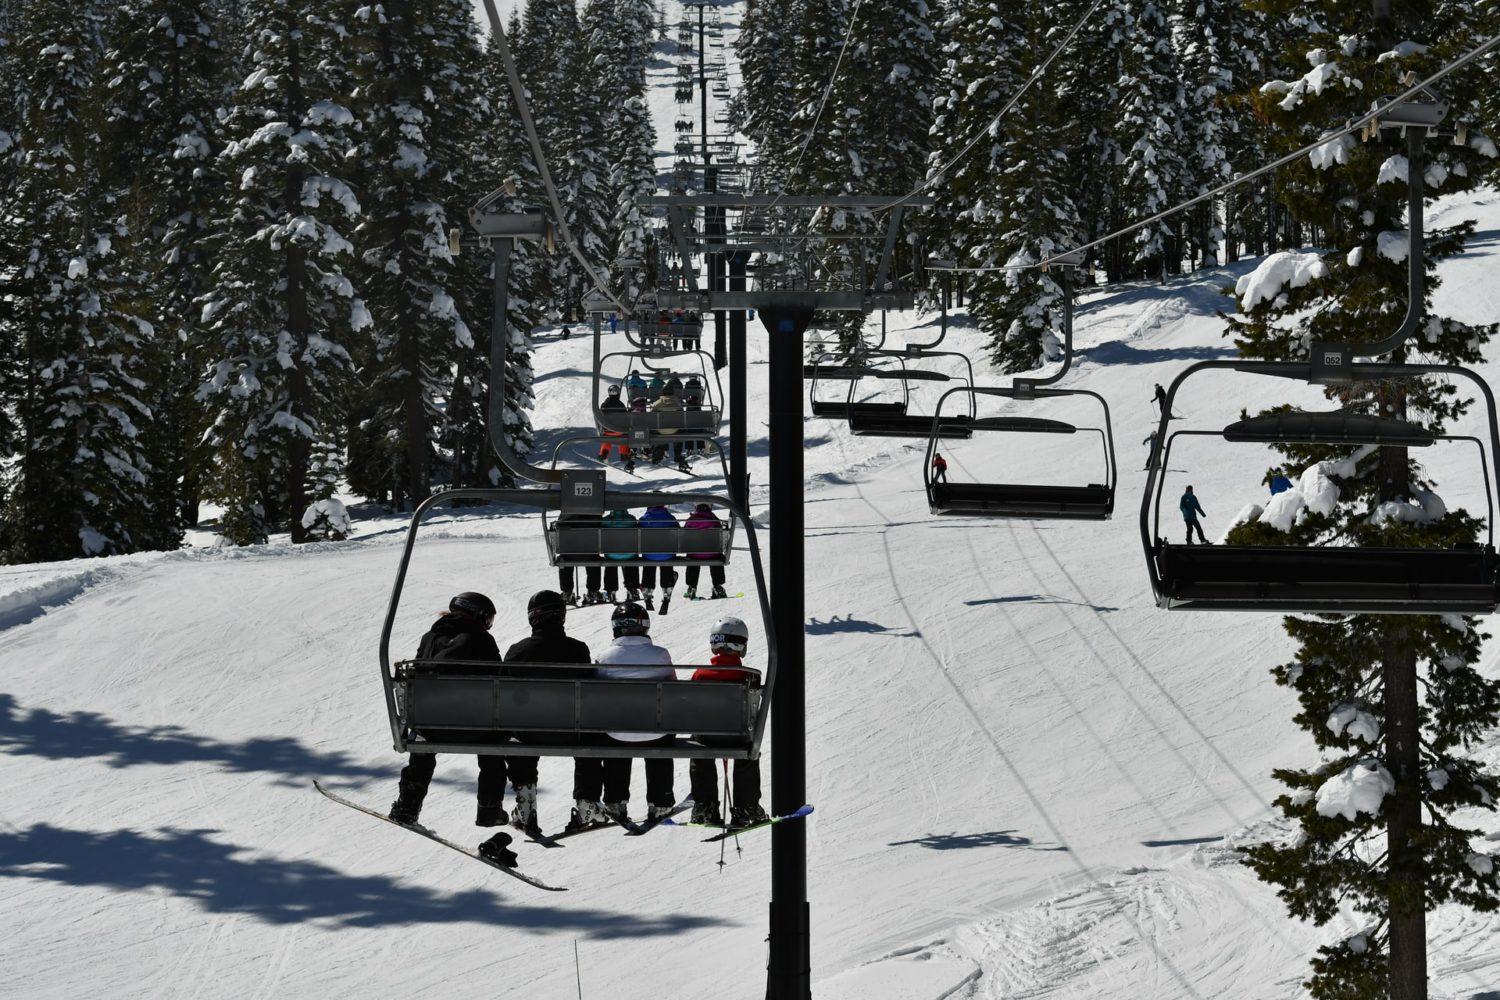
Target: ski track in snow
x,y
1030,782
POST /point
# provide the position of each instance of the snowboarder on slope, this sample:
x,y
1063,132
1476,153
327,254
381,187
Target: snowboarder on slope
x,y
1191,511
548,643
728,643
632,656
461,633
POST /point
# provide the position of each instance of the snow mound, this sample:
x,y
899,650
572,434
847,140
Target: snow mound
x,y
1275,273
1357,789
1354,722
1281,513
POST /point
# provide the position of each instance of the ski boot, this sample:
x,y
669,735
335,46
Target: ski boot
x,y
523,814
666,599
405,811
707,814
630,466
490,814
634,594
691,593
497,850
718,594
596,597
570,599
684,468
618,812
655,813
747,815
585,814
650,602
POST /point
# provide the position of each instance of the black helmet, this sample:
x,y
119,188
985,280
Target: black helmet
x,y
703,508
630,619
614,390
471,603
546,606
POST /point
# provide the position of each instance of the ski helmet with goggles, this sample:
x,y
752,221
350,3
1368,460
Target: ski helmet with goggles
x,y
546,606
630,619
614,390
471,603
729,635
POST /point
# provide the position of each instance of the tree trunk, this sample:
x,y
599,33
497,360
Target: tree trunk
x,y
299,394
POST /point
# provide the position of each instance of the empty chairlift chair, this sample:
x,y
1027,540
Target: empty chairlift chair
x,y
906,424
845,407
537,709
1090,501
1329,579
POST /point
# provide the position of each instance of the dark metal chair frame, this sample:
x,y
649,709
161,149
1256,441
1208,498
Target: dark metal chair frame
x,y
507,709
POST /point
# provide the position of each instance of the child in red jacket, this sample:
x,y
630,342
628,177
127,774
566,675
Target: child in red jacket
x,y
728,643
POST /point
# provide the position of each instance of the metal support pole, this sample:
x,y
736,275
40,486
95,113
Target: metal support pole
x,y
789,969
739,364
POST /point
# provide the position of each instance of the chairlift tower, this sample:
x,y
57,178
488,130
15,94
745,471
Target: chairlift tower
x,y
786,298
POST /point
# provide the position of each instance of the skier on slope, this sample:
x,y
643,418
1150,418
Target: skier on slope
x,y
548,643
1191,511
728,642
632,656
704,519
462,633
939,469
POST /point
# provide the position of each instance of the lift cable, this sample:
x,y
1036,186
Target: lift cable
x,y
523,109
1353,126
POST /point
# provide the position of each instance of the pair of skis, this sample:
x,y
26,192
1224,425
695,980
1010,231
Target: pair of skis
x,y
632,829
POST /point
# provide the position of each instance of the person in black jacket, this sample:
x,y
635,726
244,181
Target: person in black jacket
x,y
461,633
548,643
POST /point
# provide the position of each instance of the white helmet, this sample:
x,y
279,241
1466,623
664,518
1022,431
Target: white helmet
x,y
729,635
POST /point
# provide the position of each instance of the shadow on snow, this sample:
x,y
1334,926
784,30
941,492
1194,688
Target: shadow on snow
x,y
228,878
964,841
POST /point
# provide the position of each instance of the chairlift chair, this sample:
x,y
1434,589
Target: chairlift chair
x,y
905,424
1092,501
842,409
1326,579
1333,579
660,426
539,709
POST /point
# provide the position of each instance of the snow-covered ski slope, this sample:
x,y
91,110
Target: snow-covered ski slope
x,y
1028,779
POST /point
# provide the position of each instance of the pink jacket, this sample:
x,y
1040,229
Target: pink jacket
x,y
703,522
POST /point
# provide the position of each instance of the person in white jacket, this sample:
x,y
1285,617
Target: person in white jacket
x,y
633,656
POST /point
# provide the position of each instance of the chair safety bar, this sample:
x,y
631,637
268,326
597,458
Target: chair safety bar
x,y
1336,427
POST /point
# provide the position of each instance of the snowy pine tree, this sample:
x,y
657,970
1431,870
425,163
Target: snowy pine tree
x,y
166,75
79,487
282,305
767,95
583,176
624,48
418,106
1376,824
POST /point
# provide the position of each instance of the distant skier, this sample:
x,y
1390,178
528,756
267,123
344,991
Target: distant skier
x,y
727,643
566,333
1280,483
548,643
1159,400
704,519
939,469
632,656
1191,511
462,633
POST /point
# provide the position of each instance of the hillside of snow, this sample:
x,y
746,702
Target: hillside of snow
x,y
1029,781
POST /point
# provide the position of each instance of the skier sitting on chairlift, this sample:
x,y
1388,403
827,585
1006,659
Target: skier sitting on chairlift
x,y
728,642
546,612
703,519
462,633
613,403
632,656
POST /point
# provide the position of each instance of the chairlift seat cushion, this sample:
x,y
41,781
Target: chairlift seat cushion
x,y
1332,579
1091,502
909,425
841,410
554,717
1333,427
